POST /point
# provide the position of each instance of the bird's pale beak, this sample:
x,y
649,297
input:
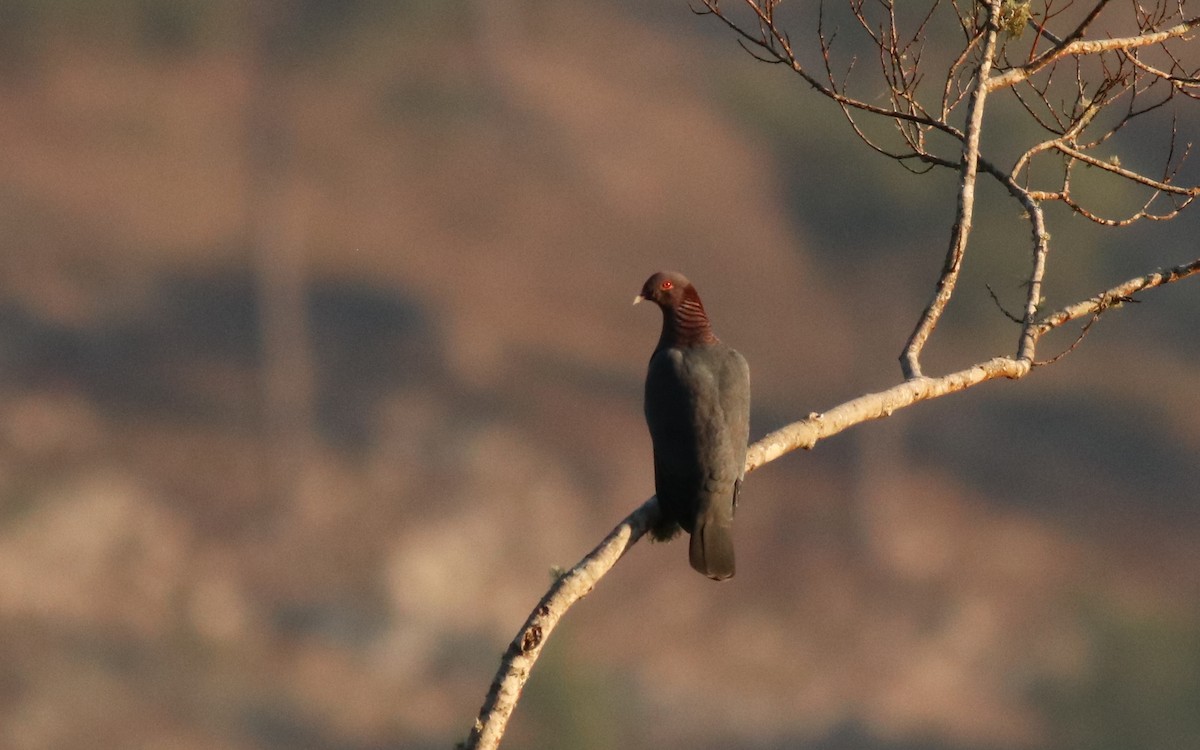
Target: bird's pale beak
x,y
638,299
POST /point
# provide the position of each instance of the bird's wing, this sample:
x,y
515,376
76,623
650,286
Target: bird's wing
x,y
735,406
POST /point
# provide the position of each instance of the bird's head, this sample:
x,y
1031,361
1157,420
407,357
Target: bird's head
x,y
665,288
684,320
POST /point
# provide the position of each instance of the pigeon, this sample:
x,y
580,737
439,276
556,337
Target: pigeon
x,y
697,407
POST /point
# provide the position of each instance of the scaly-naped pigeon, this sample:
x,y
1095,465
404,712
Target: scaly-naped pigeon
x,y
698,410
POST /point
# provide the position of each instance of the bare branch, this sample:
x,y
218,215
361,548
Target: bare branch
x,y
1126,173
1106,303
952,77
1175,80
1040,28
1082,28
1125,289
522,654
1089,47
774,43
1143,213
910,363
999,305
1037,272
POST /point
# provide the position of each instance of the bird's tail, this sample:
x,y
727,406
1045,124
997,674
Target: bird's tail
x,y
711,549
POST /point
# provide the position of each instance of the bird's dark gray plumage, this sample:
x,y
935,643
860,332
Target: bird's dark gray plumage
x,y
698,411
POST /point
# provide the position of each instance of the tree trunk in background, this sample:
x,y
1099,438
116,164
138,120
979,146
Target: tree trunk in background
x,y
275,230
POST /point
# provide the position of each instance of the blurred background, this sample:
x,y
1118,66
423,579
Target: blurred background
x,y
316,356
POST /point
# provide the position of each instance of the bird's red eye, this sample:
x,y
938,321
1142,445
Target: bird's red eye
x,y
665,285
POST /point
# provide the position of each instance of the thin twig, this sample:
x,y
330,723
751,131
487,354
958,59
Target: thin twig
x,y
1164,187
1106,303
1000,305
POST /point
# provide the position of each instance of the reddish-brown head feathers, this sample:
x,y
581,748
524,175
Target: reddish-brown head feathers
x,y
684,321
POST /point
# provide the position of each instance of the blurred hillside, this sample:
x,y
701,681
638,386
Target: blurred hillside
x,y
316,355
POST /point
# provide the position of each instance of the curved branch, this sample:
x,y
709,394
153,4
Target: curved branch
x,y
1179,82
910,358
578,582
524,650
1037,273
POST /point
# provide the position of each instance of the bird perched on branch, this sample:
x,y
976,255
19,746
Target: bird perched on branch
x,y
698,411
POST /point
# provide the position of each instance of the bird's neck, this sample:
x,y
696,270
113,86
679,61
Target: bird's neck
x,y
686,324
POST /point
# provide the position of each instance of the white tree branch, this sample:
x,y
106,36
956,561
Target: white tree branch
x,y
524,650
578,582
1165,187
1089,47
910,358
1125,290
